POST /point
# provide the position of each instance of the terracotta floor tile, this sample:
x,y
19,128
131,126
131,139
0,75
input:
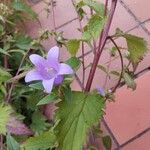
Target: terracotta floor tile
x,y
142,143
147,25
140,8
122,19
129,115
64,12
45,21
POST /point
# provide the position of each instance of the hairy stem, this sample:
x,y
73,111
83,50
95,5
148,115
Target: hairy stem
x,y
121,59
12,85
79,82
94,42
101,46
53,15
107,75
83,60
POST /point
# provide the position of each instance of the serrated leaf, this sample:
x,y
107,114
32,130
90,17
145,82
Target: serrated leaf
x,y
39,124
42,142
80,10
73,46
47,99
11,143
94,28
76,118
129,81
22,6
137,47
74,62
98,7
23,41
107,142
5,112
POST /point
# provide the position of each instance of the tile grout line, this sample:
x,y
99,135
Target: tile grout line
x,y
134,138
110,132
148,20
141,23
66,23
133,15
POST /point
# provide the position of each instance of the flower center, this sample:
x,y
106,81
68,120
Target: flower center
x,y
50,71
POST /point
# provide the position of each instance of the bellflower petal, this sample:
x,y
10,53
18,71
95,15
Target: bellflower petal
x,y
65,69
58,80
53,53
49,70
32,76
48,85
101,91
36,59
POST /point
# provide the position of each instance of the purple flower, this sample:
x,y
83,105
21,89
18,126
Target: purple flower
x,y
101,91
49,70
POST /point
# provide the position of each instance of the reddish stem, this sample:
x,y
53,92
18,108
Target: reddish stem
x,y
101,46
53,15
121,59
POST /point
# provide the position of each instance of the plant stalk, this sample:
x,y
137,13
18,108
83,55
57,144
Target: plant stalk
x,y
121,59
101,46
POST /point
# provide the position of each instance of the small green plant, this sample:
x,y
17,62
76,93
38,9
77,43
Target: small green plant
x,y
28,92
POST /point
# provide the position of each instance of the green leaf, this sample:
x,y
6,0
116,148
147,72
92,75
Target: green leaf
x,y
129,81
107,142
98,7
4,75
5,112
93,28
4,52
1,30
74,63
80,10
16,51
23,41
47,99
11,143
39,124
76,118
37,86
19,5
116,73
73,46
67,93
137,47
42,142
33,98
